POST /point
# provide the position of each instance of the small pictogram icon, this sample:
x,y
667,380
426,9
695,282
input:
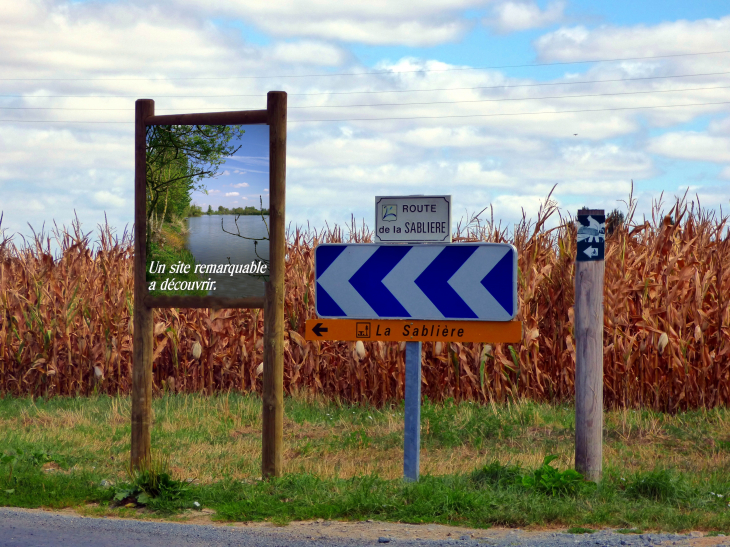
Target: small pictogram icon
x,y
594,231
390,212
362,330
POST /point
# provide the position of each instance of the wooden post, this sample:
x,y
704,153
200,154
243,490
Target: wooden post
x,y
589,273
142,338
273,397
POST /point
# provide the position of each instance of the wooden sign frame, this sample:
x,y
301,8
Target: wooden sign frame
x,y
275,117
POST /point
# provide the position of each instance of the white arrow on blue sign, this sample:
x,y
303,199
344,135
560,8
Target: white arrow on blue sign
x,y
429,281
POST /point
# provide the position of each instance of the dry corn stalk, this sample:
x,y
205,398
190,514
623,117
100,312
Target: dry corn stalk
x,y
667,340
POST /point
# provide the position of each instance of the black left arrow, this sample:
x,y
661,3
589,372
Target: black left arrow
x,y
318,329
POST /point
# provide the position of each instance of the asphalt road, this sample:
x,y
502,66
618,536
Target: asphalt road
x,y
21,528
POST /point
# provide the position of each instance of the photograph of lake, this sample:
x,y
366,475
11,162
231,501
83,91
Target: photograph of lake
x,y
207,210
209,244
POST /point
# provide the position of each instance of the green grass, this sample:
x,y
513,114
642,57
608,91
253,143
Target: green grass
x,y
172,252
481,465
580,530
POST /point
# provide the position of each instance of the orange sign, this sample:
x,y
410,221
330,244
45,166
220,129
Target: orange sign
x,y
398,330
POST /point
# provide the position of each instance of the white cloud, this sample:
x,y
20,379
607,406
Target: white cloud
x,y
691,145
714,196
712,145
467,137
377,22
335,168
513,206
62,148
231,194
308,52
108,199
667,38
342,151
515,15
720,127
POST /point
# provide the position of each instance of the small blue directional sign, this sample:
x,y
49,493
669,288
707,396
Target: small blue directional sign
x,y
591,242
454,281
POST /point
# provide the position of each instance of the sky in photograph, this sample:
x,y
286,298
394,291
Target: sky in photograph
x,y
243,179
492,101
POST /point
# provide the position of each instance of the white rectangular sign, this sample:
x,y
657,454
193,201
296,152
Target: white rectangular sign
x,y
411,219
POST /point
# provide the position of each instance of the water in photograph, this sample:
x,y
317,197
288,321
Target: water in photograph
x,y
211,245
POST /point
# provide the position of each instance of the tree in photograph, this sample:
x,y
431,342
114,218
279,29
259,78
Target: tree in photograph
x,y
179,159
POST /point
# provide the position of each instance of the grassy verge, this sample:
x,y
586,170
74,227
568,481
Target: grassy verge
x,y
170,249
482,465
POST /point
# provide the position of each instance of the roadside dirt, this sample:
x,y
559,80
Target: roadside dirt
x,y
372,530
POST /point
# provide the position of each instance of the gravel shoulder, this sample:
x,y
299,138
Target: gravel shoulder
x,y
68,527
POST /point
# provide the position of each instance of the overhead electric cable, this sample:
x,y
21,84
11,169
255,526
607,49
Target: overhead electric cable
x,y
389,72
430,117
522,98
370,92
224,108
511,113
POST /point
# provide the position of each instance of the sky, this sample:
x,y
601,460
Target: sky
x,y
243,179
494,102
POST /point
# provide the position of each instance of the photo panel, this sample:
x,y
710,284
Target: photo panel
x,y
207,207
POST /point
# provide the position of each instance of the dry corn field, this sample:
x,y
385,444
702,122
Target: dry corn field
x,y
65,322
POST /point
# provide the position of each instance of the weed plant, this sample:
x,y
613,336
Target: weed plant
x,y
152,485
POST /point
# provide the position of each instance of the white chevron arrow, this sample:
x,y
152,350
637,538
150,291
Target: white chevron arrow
x,y
467,283
401,281
335,280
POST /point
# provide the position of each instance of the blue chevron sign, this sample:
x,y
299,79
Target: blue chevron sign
x,y
457,281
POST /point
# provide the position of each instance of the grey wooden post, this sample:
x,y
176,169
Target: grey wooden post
x,y
589,274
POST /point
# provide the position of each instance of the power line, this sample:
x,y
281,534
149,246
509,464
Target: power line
x,y
512,113
523,98
372,92
430,117
217,108
389,72
542,84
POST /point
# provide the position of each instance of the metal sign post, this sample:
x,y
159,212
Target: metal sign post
x,y
430,290
413,219
589,272
412,425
